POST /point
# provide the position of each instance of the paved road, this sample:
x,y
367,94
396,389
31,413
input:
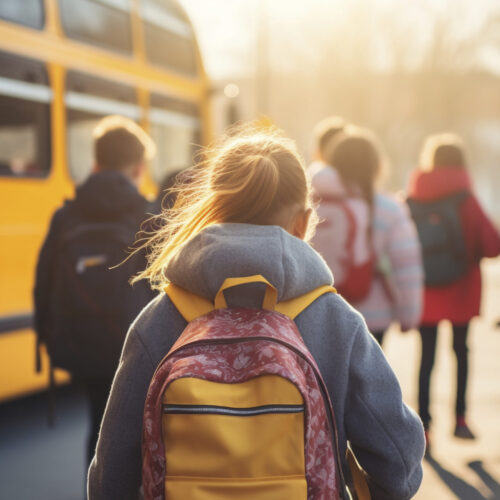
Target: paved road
x,y
38,462
46,464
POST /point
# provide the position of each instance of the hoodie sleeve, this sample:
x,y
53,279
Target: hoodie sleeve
x,y
403,250
385,435
115,471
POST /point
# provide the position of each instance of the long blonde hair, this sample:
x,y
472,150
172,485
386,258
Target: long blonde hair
x,y
252,177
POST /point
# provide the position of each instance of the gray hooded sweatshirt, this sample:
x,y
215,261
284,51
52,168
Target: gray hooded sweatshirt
x,y
386,436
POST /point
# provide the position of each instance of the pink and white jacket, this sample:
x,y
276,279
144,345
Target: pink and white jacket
x,y
397,289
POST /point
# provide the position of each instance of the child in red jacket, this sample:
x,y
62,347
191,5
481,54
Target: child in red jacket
x,y
455,234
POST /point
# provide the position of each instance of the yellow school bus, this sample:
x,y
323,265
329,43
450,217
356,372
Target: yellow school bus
x,y
63,65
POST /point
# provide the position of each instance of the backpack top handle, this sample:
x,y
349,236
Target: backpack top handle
x,y
270,296
192,306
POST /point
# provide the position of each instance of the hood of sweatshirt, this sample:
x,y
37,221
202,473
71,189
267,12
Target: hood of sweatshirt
x,y
326,181
109,196
435,184
236,250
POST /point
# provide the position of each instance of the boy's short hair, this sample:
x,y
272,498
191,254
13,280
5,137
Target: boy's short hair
x,y
325,131
119,143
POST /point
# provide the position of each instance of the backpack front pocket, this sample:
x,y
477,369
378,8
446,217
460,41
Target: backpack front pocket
x,y
242,440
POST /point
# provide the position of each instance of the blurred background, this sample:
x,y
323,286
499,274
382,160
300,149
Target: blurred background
x,y
405,69
185,71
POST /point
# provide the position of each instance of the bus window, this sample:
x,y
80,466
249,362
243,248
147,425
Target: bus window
x,y
104,23
175,128
168,35
88,99
28,12
25,98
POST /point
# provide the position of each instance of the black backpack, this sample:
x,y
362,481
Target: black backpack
x,y
442,239
92,301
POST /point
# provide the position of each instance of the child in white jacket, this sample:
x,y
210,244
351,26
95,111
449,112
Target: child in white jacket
x,y
395,292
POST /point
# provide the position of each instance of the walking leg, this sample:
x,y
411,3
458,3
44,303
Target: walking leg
x,y
462,353
428,335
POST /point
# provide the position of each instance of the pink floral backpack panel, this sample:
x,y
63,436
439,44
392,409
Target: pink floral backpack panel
x,y
231,346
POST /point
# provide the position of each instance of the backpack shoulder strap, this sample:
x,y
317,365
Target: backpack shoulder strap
x,y
189,305
460,196
192,306
293,307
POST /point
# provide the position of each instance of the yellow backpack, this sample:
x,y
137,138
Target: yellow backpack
x,y
238,408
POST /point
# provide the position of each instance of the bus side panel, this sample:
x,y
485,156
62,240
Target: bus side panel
x,y
26,208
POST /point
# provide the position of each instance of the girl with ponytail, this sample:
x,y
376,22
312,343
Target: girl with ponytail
x,y
247,210
383,234
253,178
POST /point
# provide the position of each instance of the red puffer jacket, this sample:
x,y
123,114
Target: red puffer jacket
x,y
458,302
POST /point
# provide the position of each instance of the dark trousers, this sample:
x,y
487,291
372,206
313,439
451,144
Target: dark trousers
x,y
428,335
97,391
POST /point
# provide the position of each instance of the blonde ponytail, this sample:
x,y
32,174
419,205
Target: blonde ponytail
x,y
250,178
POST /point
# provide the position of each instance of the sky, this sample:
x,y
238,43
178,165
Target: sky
x,y
228,30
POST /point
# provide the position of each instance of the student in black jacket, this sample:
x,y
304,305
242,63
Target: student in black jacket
x,y
84,303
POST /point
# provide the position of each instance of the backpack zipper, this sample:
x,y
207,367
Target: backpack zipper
x,y
345,495
231,411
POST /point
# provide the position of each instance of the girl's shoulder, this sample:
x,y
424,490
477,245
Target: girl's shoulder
x,y
158,326
389,209
393,203
331,315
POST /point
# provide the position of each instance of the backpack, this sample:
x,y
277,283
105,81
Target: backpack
x,y
441,237
238,407
92,302
343,237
